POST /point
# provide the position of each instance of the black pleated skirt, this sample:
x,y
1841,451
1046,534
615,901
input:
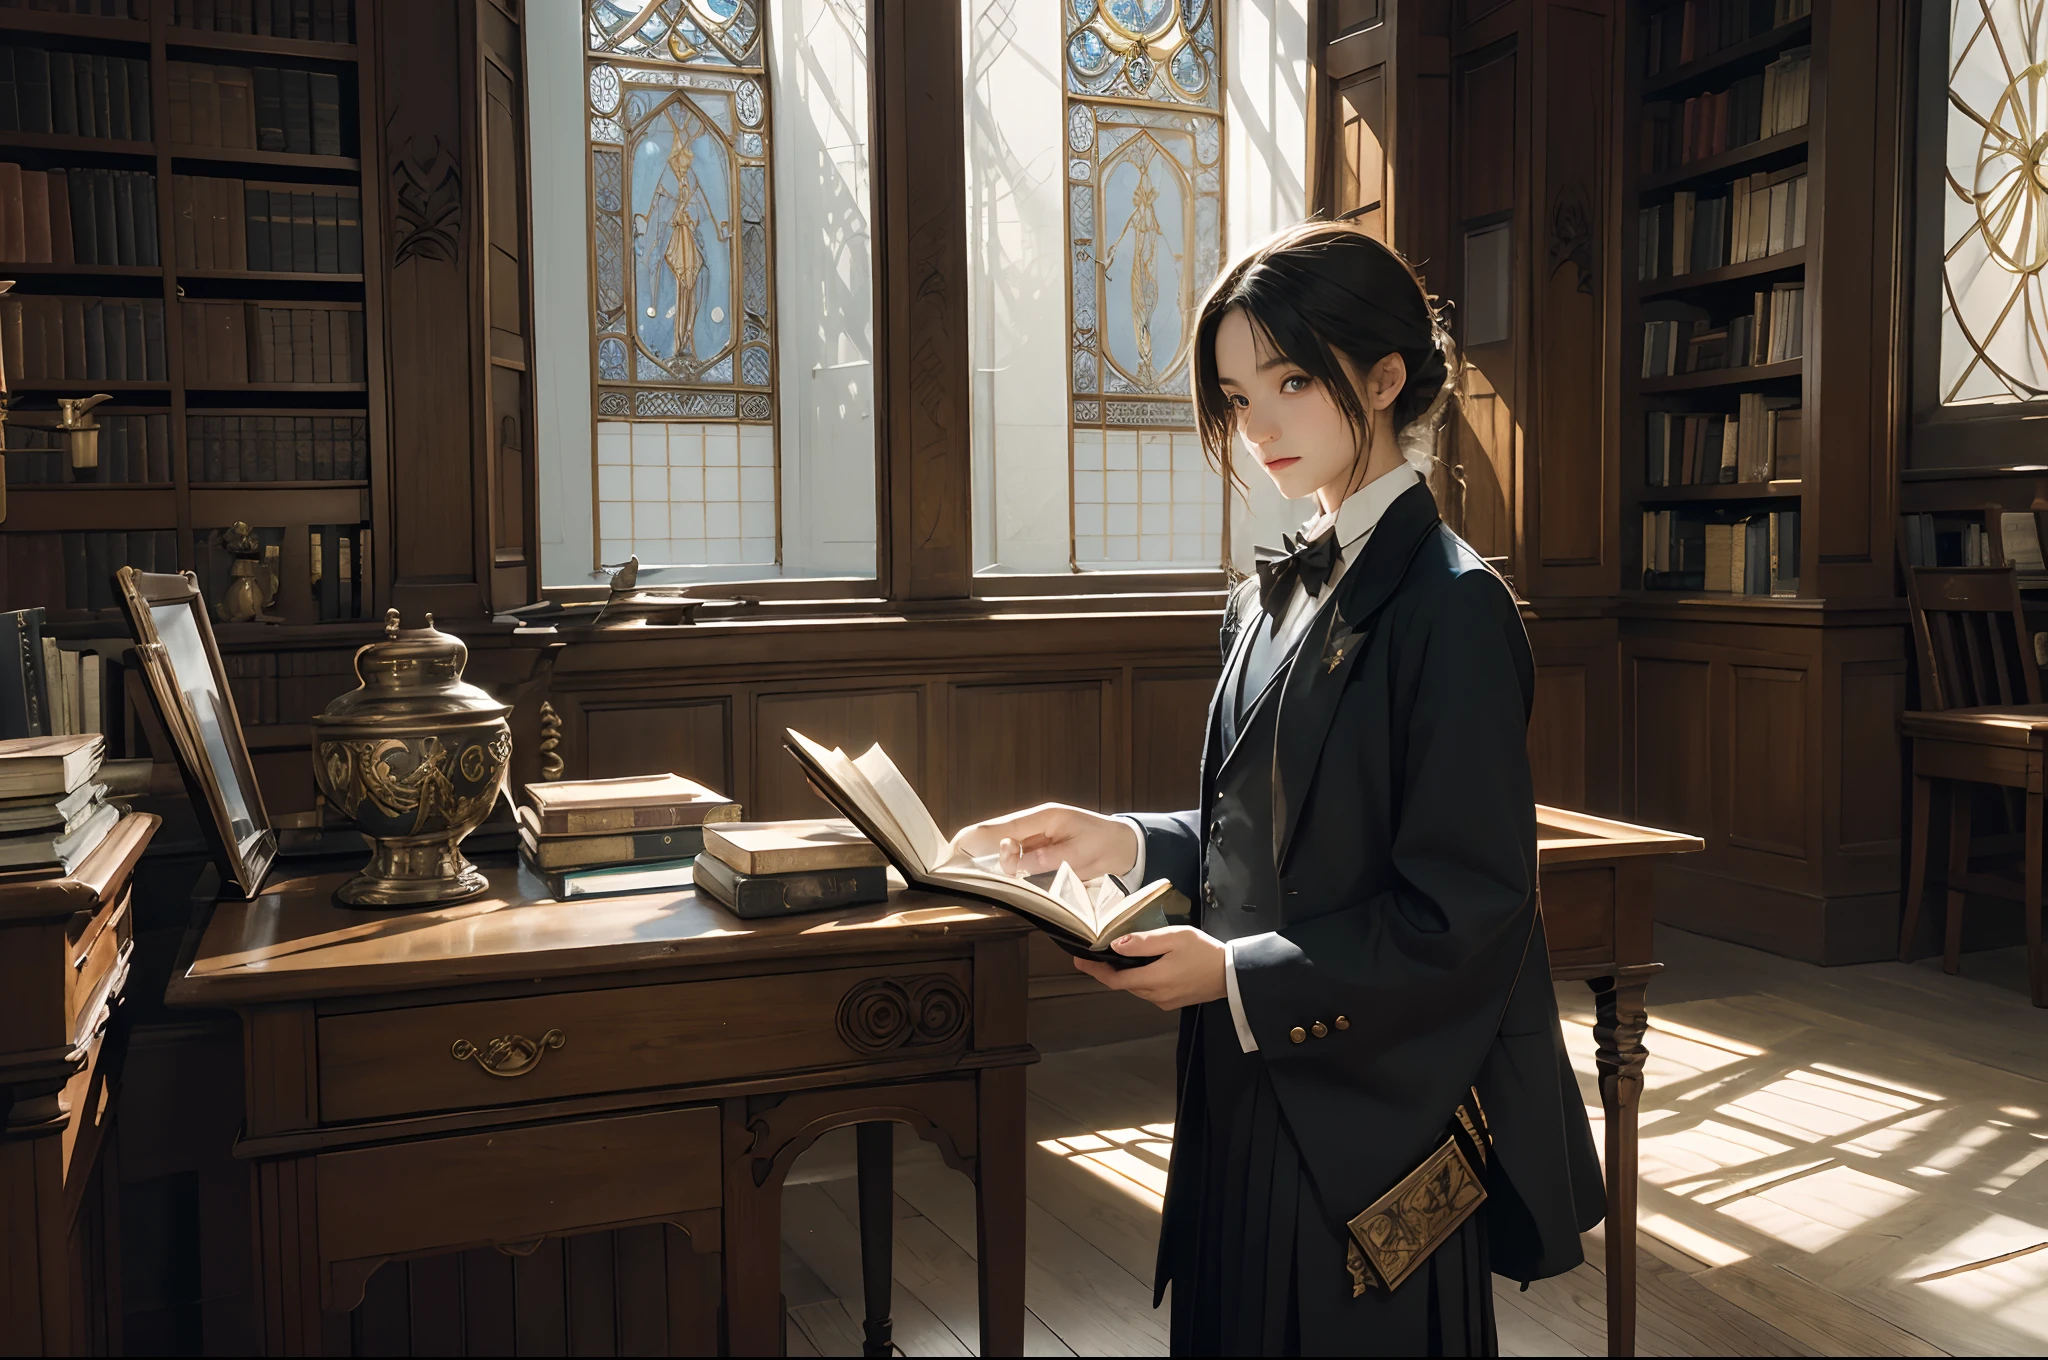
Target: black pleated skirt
x,y
1262,1271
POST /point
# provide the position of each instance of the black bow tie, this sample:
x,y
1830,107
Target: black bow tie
x,y
1312,564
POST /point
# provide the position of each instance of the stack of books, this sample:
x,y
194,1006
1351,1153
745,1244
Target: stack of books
x,y
757,869
52,811
595,837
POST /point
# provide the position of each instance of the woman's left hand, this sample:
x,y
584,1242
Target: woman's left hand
x,y
1187,971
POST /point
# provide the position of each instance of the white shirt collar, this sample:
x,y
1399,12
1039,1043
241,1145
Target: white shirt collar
x,y
1362,509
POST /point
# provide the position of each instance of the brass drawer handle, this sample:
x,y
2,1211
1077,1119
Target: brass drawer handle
x,y
508,1055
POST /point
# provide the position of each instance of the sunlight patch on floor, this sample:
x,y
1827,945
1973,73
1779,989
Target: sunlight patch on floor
x,y
1133,1161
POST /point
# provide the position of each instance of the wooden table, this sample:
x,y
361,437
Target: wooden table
x,y
65,948
510,1069
1594,876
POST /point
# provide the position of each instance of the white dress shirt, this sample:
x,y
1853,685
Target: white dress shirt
x,y
1354,520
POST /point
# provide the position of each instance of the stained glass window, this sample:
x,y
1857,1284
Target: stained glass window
x,y
1144,144
684,318
1994,313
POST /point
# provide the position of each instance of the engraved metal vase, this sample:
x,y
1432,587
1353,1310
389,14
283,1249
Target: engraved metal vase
x,y
416,758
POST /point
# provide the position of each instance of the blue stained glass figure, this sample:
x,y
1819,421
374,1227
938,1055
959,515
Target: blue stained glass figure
x,y
1139,16
682,237
1145,213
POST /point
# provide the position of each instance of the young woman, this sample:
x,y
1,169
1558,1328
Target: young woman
x,y
1363,982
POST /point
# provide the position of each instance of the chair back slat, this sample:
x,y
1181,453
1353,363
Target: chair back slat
x,y
1971,635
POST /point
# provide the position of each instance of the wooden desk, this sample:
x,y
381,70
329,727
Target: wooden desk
x,y
1594,876
508,1069
65,948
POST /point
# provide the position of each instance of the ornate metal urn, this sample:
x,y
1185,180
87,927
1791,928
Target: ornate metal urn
x,y
416,757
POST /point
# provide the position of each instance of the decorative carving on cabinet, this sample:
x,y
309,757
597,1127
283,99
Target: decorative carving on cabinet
x,y
781,1128
1571,233
426,202
884,1014
550,741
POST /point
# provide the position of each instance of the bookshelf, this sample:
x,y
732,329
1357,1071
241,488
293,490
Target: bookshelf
x,y
239,146
1717,211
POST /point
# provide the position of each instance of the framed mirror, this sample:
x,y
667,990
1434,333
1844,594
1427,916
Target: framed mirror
x,y
174,642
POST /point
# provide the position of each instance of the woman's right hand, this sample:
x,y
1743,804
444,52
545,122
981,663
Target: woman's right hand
x,y
1035,840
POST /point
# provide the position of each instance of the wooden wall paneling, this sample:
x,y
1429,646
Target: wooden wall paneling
x,y
1572,507
1858,256
1667,742
1016,744
922,394
1487,435
691,736
850,718
1169,711
1772,775
510,469
1351,109
1578,698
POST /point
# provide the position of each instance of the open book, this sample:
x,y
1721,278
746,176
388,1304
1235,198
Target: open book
x,y
1084,915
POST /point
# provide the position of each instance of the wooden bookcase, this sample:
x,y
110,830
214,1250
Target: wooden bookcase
x,y
1768,726
164,38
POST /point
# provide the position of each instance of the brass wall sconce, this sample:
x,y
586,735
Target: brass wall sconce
x,y
81,432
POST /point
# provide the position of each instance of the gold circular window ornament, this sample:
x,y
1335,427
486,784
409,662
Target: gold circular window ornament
x,y
2010,188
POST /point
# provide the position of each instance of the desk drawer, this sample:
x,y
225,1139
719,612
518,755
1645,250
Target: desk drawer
x,y
1578,915
448,1194
376,1064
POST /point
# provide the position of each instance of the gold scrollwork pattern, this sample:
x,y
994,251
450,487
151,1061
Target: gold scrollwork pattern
x,y
884,1014
363,769
1401,1228
550,741
508,1055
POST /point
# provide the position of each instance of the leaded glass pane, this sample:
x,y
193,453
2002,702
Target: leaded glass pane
x,y
684,326
1994,313
1144,218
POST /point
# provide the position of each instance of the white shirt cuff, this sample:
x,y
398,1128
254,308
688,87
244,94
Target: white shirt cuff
x,y
1245,1041
1135,876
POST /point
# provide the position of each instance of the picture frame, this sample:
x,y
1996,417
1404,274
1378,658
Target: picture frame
x,y
181,664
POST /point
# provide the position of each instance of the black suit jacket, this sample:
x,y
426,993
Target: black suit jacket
x,y
1400,851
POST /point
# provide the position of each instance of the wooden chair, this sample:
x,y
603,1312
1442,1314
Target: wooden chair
x,y
1982,722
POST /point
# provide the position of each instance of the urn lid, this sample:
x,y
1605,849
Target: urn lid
x,y
414,673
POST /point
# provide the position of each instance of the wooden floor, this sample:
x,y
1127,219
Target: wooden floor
x,y
1847,1161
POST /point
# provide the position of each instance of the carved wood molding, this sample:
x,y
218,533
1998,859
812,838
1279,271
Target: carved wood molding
x,y
882,1015
426,201
943,1113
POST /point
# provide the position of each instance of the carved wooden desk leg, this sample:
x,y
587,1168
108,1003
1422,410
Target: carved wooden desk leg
x,y
876,1160
999,1200
1619,1055
753,1243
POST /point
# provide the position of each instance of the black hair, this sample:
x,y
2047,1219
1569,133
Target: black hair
x,y
1312,292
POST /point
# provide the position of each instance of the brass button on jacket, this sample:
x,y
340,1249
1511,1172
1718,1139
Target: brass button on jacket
x,y
1343,1022
1320,1030
1298,1034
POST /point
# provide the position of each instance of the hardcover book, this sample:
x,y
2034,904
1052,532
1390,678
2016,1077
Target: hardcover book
x,y
1082,916
641,802
752,897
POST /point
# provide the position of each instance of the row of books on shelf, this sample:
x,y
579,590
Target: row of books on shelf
x,y
83,338
75,571
1772,331
255,108
307,20
275,687
277,448
131,449
1752,109
77,216
1762,441
1681,34
1743,554
230,343
1997,539
1752,218
229,224
136,448
98,9
74,94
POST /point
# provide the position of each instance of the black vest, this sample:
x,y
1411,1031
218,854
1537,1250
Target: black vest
x,y
1241,891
